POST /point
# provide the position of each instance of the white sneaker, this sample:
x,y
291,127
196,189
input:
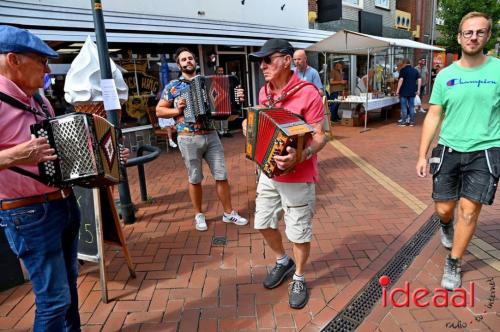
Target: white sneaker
x,y
172,144
234,218
200,223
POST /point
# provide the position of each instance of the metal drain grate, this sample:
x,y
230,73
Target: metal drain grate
x,y
362,304
219,240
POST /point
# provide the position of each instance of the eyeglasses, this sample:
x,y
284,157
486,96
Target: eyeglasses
x,y
479,33
37,58
268,59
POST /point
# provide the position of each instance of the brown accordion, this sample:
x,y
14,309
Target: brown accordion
x,y
87,150
211,97
269,132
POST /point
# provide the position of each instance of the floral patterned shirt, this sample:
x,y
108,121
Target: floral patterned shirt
x,y
172,92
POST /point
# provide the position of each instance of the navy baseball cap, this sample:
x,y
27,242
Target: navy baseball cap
x,y
272,46
17,40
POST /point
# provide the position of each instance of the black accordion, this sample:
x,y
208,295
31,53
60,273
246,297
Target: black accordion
x,y
213,97
87,149
269,132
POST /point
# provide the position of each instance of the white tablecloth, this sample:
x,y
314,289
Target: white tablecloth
x,y
373,104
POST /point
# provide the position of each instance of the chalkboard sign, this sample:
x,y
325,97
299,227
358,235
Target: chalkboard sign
x,y
88,228
99,223
87,243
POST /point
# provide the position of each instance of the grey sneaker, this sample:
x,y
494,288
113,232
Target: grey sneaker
x,y
451,276
278,273
447,232
297,294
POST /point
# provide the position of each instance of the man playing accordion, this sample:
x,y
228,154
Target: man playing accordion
x,y
197,141
40,222
294,192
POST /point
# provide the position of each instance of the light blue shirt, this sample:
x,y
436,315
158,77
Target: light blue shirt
x,y
310,75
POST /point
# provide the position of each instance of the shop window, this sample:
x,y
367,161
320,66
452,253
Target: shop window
x,y
356,3
382,3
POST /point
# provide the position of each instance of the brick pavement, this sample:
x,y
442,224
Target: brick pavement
x,y
366,210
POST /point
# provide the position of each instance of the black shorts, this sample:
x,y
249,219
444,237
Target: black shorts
x,y
472,175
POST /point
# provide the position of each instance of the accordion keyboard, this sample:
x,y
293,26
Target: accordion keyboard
x,y
49,165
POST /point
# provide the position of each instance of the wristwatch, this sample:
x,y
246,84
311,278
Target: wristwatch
x,y
309,153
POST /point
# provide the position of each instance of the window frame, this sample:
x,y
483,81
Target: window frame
x,y
359,5
378,5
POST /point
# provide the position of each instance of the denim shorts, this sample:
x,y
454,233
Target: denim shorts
x,y
195,148
296,200
472,175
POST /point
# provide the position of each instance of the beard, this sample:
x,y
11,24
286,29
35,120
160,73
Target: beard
x,y
188,71
472,53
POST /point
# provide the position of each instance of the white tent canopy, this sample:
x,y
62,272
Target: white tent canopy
x,y
356,43
351,42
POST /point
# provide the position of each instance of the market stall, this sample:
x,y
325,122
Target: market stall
x,y
356,43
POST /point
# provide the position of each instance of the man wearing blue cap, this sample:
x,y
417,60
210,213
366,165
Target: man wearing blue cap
x,y
40,222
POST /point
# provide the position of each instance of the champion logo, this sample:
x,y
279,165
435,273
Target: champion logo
x,y
477,83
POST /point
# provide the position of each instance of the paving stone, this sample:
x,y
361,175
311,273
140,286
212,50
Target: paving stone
x,y
185,283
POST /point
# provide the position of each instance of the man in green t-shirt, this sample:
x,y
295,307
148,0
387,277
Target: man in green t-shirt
x,y
465,165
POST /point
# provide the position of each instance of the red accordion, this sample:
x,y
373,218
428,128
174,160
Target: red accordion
x,y
269,132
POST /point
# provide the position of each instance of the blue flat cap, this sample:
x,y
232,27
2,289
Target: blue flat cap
x,y
17,40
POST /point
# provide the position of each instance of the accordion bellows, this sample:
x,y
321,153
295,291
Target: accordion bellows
x,y
87,150
211,96
269,132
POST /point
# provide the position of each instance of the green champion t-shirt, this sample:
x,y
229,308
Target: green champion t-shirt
x,y
470,98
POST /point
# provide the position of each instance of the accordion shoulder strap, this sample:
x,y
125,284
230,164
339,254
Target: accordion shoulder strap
x,y
38,98
28,173
22,106
19,105
272,103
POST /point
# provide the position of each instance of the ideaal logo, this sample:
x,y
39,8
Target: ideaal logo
x,y
461,297
489,305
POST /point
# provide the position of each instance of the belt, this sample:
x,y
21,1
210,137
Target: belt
x,y
192,133
25,201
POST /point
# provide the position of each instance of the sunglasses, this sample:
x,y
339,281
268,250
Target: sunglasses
x,y
268,59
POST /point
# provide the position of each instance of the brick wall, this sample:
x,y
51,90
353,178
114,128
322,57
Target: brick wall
x,y
421,12
420,15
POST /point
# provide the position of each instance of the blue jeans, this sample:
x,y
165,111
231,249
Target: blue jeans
x,y
45,237
334,108
407,105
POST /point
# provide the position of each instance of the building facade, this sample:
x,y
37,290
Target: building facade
x,y
405,19
143,36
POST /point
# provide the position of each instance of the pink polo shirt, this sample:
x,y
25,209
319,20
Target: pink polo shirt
x,y
15,129
308,103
